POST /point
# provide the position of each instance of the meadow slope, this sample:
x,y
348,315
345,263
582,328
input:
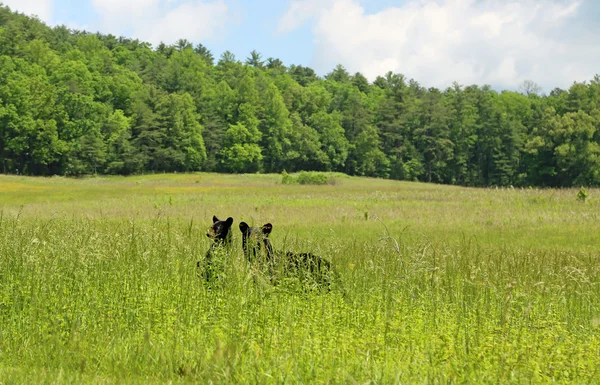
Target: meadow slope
x,y
98,283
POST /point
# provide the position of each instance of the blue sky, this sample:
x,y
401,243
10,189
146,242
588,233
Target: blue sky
x,y
251,26
436,42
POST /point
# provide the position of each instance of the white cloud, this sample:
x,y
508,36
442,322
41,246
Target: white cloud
x,y
163,21
40,8
300,12
437,42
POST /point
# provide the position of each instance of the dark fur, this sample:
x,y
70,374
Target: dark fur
x,y
220,234
254,238
219,231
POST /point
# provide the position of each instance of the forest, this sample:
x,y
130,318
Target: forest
x,y
75,103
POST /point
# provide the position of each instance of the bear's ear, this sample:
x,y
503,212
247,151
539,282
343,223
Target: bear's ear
x,y
229,221
244,227
267,228
215,219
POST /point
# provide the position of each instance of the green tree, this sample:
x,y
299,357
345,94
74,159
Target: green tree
x,y
303,75
217,117
367,156
239,154
463,133
306,152
396,115
361,82
255,60
339,74
332,138
241,151
432,137
276,132
205,53
88,155
119,149
577,154
182,143
275,66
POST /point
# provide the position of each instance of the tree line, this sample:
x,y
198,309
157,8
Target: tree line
x,y
73,102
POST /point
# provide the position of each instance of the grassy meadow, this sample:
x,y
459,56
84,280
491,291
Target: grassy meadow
x,y
435,284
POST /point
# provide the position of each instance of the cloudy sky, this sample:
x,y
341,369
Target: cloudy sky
x,y
436,42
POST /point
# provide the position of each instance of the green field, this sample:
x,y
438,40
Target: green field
x,y
98,283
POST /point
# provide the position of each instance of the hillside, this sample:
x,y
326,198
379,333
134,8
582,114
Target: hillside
x,y
73,102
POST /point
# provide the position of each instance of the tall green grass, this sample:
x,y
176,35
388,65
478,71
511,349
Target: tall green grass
x,y
98,283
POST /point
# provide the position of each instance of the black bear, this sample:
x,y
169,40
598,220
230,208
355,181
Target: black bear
x,y
219,231
220,234
253,238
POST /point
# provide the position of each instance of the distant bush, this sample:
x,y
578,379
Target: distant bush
x,y
287,178
312,178
582,195
307,177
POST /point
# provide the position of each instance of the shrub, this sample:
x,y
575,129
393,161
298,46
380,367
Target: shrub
x,y
582,195
307,177
287,178
312,178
